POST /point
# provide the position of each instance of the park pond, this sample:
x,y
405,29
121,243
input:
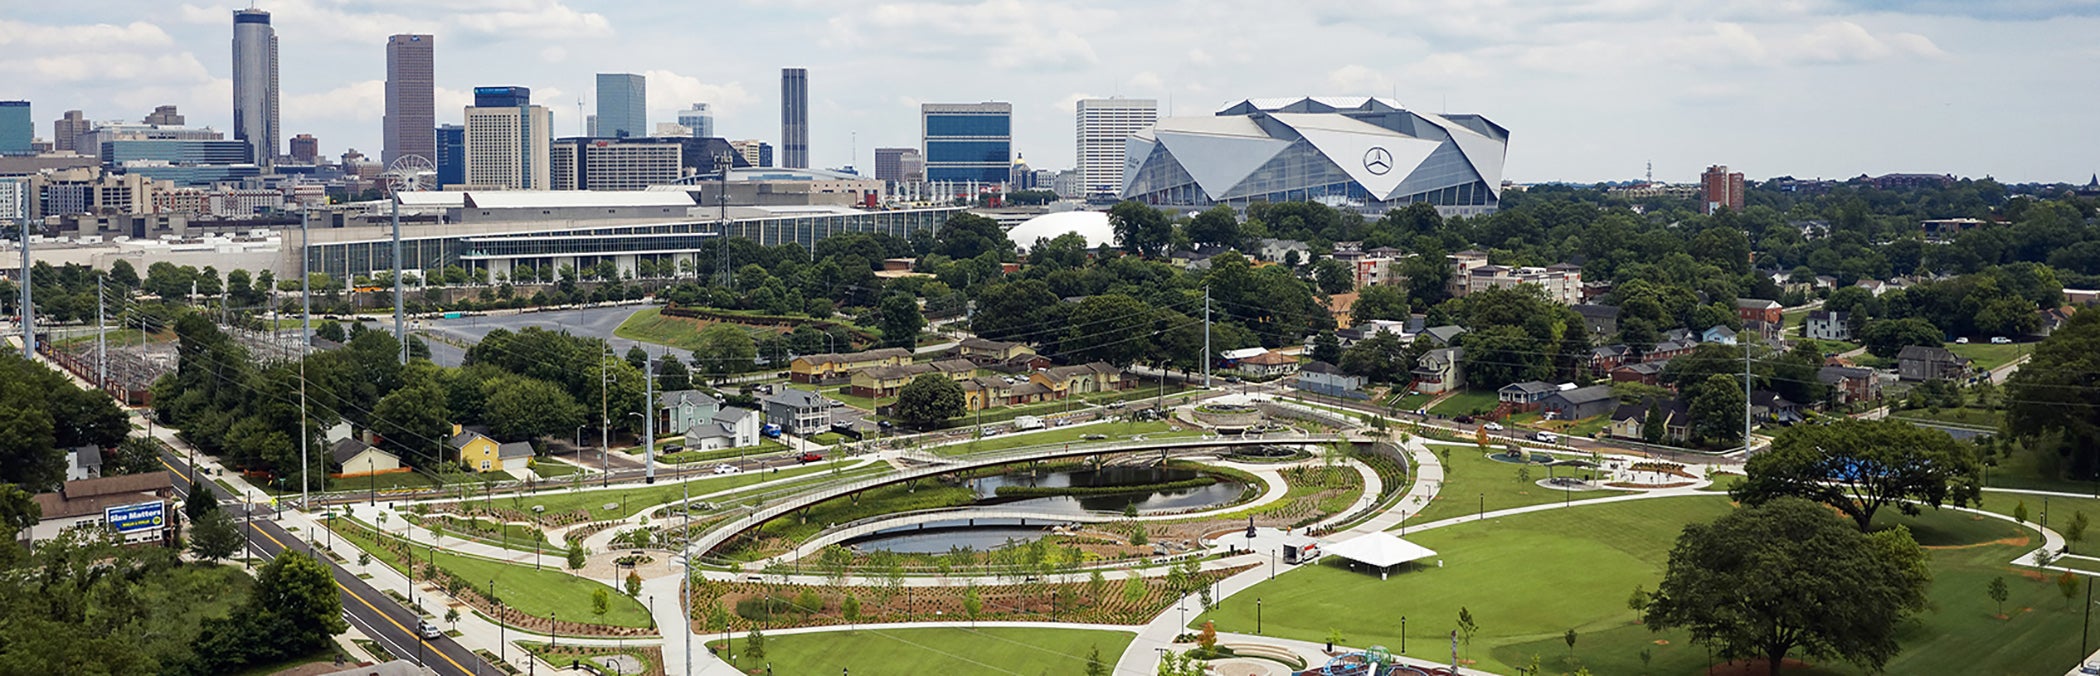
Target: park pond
x,y
1148,494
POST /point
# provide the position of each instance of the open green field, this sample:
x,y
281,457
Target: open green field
x,y
1407,401
1529,578
1469,402
1470,477
648,326
1064,435
915,652
1965,416
539,593
1989,356
2035,471
628,501
764,446
2059,511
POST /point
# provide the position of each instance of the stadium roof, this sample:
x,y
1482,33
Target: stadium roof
x,y
556,199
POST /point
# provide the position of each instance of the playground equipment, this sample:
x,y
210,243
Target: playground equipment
x,y
1373,661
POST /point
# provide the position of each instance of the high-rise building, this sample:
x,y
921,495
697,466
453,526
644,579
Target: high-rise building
x,y
411,99
903,165
67,130
623,105
165,116
451,157
967,141
255,83
306,149
17,130
1104,125
756,153
636,162
1720,189
794,118
700,120
507,140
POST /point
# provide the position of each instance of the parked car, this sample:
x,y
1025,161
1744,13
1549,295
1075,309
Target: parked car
x,y
771,431
2000,340
725,469
810,457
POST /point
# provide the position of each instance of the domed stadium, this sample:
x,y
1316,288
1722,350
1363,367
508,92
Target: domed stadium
x,y
1366,154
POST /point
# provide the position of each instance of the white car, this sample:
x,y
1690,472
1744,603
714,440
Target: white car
x,y
2000,340
726,469
1493,427
427,630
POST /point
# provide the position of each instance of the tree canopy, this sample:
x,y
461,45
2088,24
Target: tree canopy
x,y
1860,466
929,400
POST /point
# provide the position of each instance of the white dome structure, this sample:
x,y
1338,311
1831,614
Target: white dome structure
x,y
1092,225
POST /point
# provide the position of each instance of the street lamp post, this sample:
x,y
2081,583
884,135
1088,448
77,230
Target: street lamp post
x,y
1483,505
493,603
553,618
1257,617
1403,634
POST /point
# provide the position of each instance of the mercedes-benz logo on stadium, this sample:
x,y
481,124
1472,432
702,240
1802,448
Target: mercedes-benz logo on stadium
x,y
1378,161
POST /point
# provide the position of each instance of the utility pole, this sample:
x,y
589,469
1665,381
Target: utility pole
x,y
1745,338
604,423
1206,337
687,629
306,324
399,333
101,339
28,314
649,421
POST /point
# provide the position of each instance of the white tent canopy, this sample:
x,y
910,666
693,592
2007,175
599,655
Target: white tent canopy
x,y
1379,549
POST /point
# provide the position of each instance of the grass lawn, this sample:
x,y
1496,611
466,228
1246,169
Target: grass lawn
x,y
1469,402
382,482
627,502
539,593
1058,435
2035,471
1830,346
959,650
1989,356
1970,417
1409,401
548,469
2060,511
648,326
1527,579
1470,475
764,446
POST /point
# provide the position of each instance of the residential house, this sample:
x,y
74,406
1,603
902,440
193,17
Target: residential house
x,y
1471,273
680,409
1671,348
2052,319
83,504
799,412
1231,359
728,428
1364,330
1440,370
1604,358
1919,362
1269,364
987,352
1197,259
1525,396
989,392
835,368
1826,325
1444,336
1645,373
353,457
1276,250
1769,332
477,451
1874,287
1319,377
1603,320
1758,309
884,381
1719,335
1767,406
1852,385
83,463
1630,421
1579,403
1065,381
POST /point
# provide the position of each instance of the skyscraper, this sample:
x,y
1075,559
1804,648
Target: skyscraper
x,y
623,105
451,157
165,116
699,119
967,141
411,103
903,165
507,140
794,118
305,149
16,128
255,83
66,130
1103,127
1720,189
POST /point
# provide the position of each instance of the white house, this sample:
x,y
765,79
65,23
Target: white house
x,y
1827,325
729,428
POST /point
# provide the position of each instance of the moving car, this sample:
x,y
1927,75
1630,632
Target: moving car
x,y
725,469
2000,340
427,630
1493,426
810,457
1547,437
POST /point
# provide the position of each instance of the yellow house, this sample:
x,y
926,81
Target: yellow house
x,y
479,453
828,368
1084,378
981,351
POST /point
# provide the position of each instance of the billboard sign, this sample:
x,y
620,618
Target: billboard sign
x,y
139,518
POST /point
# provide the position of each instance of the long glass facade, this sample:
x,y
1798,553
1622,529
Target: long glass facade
x,y
967,141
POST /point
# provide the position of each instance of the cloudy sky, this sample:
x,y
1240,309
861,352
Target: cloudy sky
x,y
1590,89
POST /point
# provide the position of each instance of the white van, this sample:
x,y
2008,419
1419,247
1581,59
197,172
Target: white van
x,y
1546,437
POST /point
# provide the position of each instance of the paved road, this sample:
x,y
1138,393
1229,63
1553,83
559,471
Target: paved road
x,y
373,613
597,322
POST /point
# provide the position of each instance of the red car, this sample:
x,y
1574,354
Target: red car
x,y
810,457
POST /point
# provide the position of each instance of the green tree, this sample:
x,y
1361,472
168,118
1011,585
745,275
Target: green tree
x,y
1218,225
1133,589
755,644
2074,531
2068,583
452,617
1999,593
1656,425
1140,229
1765,581
899,319
576,556
601,603
213,536
1331,276
1327,348
928,401
2051,406
1110,327
672,376
123,275
1380,301
1570,638
1637,602
413,420
1859,466
1466,626
1884,338
850,609
634,584
724,349
1094,665
973,604
520,408
1716,407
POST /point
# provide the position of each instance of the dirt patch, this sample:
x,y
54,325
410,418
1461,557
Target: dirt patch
x,y
2020,541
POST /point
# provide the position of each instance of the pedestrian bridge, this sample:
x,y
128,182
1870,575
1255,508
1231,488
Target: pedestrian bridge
x,y
714,537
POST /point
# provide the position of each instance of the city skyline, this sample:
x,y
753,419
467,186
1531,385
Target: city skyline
x,y
1592,90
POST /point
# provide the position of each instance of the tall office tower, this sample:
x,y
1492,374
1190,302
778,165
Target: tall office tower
x,y
623,105
17,130
1720,189
756,153
794,118
451,157
66,130
507,140
967,141
411,99
1103,127
165,116
255,83
306,149
701,120
903,165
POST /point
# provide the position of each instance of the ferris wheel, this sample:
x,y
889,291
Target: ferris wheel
x,y
411,173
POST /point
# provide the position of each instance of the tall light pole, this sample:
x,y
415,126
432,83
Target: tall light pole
x,y
604,419
399,333
306,326
649,420
28,316
494,607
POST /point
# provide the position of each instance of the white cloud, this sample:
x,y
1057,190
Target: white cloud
x,y
339,21
1006,34
554,54
1848,42
670,92
363,101
1443,68
137,35
1358,80
1147,81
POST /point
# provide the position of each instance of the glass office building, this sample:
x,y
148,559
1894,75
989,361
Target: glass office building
x,y
17,130
451,158
1365,154
967,141
623,105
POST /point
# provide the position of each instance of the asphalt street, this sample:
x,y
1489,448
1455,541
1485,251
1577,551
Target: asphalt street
x,y
597,322
373,613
